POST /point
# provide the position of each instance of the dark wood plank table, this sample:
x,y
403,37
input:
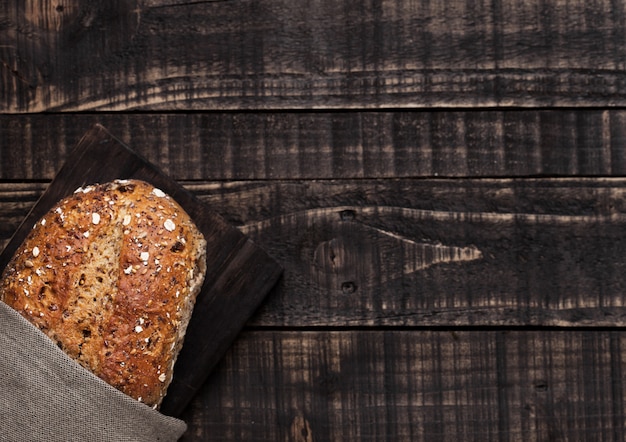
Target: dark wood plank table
x,y
443,182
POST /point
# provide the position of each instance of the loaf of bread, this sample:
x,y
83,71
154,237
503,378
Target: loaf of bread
x,y
111,274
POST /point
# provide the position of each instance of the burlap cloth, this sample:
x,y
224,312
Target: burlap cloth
x,y
46,396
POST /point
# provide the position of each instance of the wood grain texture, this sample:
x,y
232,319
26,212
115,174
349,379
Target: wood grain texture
x,y
424,252
428,252
334,145
160,55
416,386
442,181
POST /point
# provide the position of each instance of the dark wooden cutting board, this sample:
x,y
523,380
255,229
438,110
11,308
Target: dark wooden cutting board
x,y
239,274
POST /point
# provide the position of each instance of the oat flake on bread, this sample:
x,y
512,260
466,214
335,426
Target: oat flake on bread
x,y
111,274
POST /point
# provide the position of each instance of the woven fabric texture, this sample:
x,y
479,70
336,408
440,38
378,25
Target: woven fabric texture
x,y
47,396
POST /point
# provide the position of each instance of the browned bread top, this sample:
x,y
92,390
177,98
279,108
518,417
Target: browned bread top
x,y
111,274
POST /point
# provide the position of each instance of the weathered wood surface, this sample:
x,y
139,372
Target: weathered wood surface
x,y
425,252
442,181
416,386
334,145
286,54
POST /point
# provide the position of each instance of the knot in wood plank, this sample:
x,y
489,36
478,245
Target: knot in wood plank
x,y
300,430
357,254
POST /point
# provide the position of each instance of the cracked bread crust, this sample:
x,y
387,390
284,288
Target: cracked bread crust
x,y
111,274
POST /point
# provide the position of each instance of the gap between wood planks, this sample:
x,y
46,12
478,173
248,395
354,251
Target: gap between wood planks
x,y
433,328
169,3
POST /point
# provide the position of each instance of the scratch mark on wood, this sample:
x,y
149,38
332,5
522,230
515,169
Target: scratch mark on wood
x,y
15,73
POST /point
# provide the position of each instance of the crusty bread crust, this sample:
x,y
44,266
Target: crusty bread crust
x,y
111,274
